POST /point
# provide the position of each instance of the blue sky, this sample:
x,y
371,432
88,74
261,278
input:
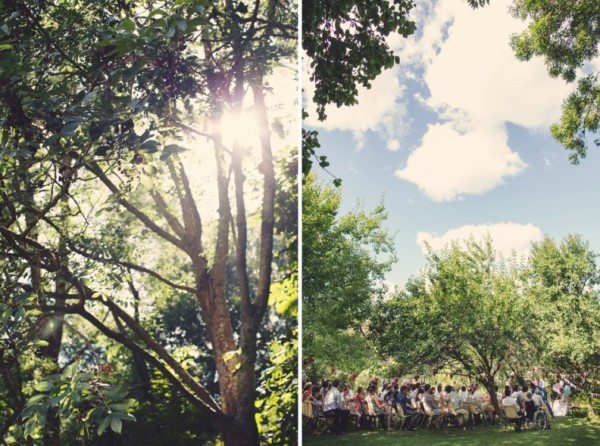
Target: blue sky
x,y
455,141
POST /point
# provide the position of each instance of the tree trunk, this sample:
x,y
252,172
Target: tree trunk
x,y
52,332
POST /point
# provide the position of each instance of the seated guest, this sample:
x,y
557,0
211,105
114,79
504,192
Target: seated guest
x,y
455,403
530,407
317,402
377,407
359,397
539,402
332,407
347,397
510,401
307,391
474,403
403,400
429,403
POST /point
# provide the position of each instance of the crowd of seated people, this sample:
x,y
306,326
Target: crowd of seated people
x,y
414,404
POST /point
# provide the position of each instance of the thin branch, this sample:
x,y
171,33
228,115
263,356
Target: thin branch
x,y
133,266
163,209
49,39
147,221
131,345
213,138
64,190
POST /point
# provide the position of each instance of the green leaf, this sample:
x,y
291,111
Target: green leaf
x,y
36,399
69,129
44,386
150,146
116,424
157,12
123,405
89,96
170,150
128,25
230,355
104,424
33,313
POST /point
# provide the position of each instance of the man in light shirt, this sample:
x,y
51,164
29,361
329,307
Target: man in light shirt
x,y
509,400
332,407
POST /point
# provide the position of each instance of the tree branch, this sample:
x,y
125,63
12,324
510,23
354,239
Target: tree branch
x,y
147,221
163,209
133,266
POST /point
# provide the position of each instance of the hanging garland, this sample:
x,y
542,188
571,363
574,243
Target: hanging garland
x,y
567,377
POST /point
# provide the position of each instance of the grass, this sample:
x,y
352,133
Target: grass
x,y
565,431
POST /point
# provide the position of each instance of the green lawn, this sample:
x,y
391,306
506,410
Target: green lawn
x,y
565,431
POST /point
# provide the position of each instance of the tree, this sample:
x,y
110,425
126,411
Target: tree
x,y
566,35
465,311
345,42
344,261
95,101
563,281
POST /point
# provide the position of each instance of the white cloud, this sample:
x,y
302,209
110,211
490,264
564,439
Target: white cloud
x,y
476,71
506,237
449,164
379,109
476,86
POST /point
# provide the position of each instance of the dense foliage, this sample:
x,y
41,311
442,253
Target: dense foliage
x,y
134,284
474,314
344,261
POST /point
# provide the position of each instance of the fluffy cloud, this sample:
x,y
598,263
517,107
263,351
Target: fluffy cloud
x,y
449,164
379,109
476,71
476,86
507,238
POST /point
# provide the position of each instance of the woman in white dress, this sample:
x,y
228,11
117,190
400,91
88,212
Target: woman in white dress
x,y
560,404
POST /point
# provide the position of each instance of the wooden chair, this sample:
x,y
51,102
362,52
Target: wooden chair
x,y
402,420
473,410
512,416
458,417
435,420
369,413
316,424
425,419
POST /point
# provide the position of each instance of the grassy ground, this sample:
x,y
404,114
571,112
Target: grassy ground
x,y
564,431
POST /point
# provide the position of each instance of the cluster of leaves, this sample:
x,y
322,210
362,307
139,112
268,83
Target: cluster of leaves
x,y
567,35
346,44
83,400
347,47
277,400
563,284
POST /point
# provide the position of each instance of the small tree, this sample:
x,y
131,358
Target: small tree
x,y
344,261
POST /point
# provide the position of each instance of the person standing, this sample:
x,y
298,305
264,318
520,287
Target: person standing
x,y
542,386
566,393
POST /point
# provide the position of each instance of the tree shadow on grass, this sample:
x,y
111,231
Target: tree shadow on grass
x,y
564,431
